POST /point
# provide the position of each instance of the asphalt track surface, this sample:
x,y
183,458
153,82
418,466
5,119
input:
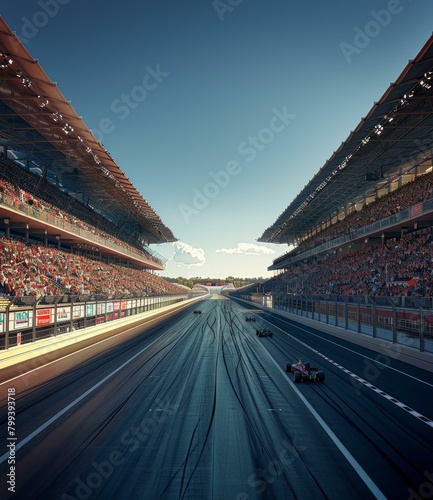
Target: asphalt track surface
x,y
199,407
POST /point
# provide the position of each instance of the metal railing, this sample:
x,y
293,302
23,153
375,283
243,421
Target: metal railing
x,y
27,319
401,320
405,215
150,257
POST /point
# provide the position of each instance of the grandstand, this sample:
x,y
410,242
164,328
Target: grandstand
x,y
60,189
363,224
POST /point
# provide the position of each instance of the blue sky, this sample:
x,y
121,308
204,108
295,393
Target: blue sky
x,y
221,111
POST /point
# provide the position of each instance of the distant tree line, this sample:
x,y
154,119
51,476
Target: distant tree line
x,y
237,282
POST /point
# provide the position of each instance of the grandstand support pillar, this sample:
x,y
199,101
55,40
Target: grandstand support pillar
x,y
71,321
85,314
421,330
34,322
27,233
346,316
7,221
327,310
336,312
394,324
55,327
359,318
373,316
58,241
7,326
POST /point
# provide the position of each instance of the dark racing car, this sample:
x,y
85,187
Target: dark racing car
x,y
263,333
304,372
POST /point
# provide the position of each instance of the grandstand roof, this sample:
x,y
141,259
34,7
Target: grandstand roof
x,y
397,131
43,130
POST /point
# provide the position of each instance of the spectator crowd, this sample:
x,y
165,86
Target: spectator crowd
x,y
38,270
19,187
417,191
398,266
35,269
403,267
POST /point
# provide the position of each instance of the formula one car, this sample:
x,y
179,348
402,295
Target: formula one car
x,y
303,372
250,318
197,311
263,333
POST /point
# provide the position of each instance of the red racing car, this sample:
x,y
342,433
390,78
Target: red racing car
x,y
303,372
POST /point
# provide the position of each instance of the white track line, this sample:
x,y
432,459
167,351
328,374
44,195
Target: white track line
x,y
357,353
347,455
364,382
98,341
55,417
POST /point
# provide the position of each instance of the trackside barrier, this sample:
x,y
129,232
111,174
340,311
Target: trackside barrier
x,y
406,321
27,319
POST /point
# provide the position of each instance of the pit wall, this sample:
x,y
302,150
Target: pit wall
x,y
27,324
390,331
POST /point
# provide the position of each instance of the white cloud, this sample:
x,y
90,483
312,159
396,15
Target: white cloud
x,y
187,256
247,249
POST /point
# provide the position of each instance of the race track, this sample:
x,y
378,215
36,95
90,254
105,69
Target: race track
x,y
198,406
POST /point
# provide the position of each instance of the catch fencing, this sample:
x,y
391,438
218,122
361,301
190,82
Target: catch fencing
x,y
27,319
401,320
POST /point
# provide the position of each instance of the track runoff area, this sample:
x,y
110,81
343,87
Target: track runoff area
x,y
198,405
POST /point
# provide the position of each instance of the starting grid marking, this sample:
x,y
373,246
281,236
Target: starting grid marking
x,y
364,382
